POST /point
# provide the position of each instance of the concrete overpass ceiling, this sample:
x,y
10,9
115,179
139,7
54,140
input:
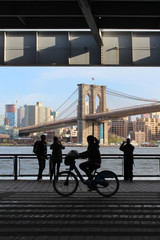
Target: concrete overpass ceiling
x,y
80,14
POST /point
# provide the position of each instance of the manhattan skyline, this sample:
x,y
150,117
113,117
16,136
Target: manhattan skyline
x,y
52,86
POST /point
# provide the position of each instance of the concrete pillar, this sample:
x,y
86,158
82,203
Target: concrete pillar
x,y
105,140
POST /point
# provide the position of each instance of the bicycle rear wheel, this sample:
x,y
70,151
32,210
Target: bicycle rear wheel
x,y
66,183
107,183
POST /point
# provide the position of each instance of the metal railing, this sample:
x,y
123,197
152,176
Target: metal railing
x,y
16,164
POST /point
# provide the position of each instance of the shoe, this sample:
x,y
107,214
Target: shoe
x,y
39,179
94,188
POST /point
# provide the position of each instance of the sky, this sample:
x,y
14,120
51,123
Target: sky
x,y
53,85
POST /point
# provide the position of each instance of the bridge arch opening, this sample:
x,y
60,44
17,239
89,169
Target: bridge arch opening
x,y
97,104
87,100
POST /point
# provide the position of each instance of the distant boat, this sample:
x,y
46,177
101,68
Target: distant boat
x,y
146,144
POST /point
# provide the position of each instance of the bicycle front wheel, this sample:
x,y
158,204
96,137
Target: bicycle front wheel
x,y
107,183
66,184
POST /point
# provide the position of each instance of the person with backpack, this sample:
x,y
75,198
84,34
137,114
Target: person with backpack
x,y
40,149
93,155
56,157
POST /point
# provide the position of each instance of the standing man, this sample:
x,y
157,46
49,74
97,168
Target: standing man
x,y
128,149
41,152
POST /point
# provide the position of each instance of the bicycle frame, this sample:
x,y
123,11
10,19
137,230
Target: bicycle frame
x,y
73,167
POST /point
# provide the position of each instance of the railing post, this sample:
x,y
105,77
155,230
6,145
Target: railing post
x,y
50,166
122,167
15,167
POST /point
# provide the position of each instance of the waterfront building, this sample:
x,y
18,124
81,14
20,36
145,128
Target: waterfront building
x,y
36,114
155,115
121,127
11,115
146,115
139,137
1,120
53,115
151,115
151,127
10,131
43,113
20,116
73,134
30,115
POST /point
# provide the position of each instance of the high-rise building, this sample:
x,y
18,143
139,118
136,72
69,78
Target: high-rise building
x,y
1,120
139,137
30,115
151,127
20,116
36,114
43,113
11,114
121,127
53,115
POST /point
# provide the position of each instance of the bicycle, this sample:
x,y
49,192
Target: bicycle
x,y
106,182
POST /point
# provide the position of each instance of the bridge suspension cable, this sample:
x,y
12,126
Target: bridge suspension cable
x,y
67,99
68,108
60,106
128,96
71,113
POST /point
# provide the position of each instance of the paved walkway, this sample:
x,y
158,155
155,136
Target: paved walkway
x,y
31,210
46,186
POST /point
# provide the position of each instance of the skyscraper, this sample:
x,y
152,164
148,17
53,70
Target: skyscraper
x,y
36,114
20,116
11,114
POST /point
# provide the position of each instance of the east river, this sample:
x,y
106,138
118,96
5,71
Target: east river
x,y
30,166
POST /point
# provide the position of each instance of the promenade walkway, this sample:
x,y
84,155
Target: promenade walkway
x,y
32,210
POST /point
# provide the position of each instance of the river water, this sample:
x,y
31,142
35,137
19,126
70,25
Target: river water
x,y
30,166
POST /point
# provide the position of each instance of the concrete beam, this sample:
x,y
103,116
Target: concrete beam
x,y
86,10
78,48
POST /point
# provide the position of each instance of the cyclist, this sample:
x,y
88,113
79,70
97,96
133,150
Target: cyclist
x,y
93,155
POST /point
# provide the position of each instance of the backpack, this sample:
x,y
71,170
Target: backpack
x,y
70,157
35,147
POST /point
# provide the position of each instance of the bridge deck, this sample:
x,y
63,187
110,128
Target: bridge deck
x,y
32,210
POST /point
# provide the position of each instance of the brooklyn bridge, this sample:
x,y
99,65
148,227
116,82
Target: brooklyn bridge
x,y
93,119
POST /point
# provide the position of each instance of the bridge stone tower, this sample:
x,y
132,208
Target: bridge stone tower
x,y
96,128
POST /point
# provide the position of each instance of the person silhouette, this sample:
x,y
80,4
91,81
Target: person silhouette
x,y
41,152
93,155
128,149
56,157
